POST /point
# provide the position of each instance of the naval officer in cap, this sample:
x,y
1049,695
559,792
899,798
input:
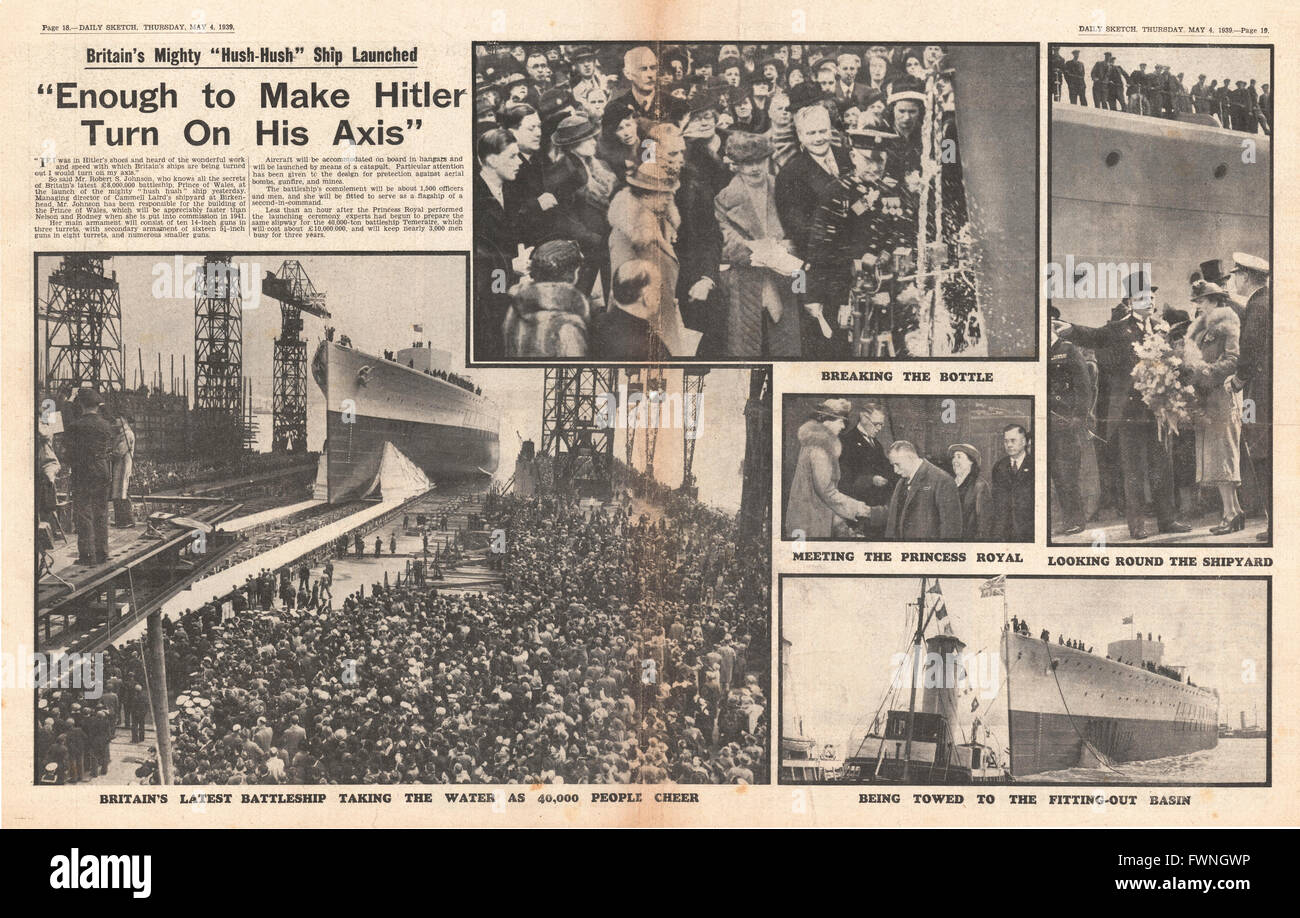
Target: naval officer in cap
x,y
1249,280
1142,455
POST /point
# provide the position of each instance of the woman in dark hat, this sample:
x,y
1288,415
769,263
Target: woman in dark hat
x,y
975,493
762,315
746,116
619,146
1211,351
582,184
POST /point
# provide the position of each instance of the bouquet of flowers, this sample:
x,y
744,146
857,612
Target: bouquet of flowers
x,y
1158,379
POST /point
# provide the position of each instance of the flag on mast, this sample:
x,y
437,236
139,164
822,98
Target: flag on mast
x,y
997,586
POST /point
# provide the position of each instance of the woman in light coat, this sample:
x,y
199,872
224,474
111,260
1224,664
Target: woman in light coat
x,y
816,508
1210,354
762,315
643,223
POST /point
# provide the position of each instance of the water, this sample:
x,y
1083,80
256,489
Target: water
x,y
1233,761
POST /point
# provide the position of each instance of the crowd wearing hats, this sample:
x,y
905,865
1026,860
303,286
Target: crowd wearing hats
x,y
772,193
1216,354
1159,92
621,650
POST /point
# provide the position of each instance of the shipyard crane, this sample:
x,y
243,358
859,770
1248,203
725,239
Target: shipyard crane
x,y
692,400
296,294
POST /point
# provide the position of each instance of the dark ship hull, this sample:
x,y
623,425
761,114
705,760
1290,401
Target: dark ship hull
x,y
1069,708
448,431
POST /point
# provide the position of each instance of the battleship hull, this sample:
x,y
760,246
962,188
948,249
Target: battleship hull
x,y
1069,708
448,431
1129,189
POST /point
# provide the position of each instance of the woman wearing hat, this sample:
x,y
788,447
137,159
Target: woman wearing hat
x,y
643,222
762,315
582,184
1210,354
975,493
619,145
816,508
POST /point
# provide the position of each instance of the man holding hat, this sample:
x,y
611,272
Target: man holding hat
x,y
1250,283
89,442
1143,456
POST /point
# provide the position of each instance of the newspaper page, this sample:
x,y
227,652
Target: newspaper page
x,y
647,415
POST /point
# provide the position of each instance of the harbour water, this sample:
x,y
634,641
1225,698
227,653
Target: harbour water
x,y
1233,761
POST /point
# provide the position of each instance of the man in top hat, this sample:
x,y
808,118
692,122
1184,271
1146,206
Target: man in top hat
x,y
1143,456
1074,79
1250,284
89,441
1071,392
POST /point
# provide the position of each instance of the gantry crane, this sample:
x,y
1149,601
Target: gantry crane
x,y
294,289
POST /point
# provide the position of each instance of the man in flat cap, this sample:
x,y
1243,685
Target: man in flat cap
x,y
89,443
1074,79
1143,457
1250,283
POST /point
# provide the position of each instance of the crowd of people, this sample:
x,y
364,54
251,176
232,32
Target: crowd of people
x,y
850,484
718,200
1223,346
1159,92
621,650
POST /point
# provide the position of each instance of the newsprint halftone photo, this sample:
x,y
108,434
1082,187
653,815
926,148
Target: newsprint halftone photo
x,y
1033,680
1160,379
643,201
316,550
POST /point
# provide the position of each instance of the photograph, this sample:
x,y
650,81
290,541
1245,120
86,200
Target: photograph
x,y
1160,379
665,201
593,606
907,468
1051,680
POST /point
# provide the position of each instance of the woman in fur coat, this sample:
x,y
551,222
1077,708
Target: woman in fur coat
x,y
643,222
816,508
